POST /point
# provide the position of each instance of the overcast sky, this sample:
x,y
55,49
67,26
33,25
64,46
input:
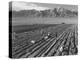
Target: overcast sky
x,y
20,5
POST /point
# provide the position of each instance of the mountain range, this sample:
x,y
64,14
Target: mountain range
x,y
56,12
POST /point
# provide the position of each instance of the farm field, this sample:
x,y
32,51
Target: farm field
x,y
25,28
44,40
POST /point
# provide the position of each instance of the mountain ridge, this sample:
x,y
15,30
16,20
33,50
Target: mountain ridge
x,y
56,12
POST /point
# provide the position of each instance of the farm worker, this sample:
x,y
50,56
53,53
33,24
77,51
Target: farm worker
x,y
49,34
56,34
32,41
61,48
46,37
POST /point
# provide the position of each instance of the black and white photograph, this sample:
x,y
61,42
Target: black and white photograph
x,y
42,29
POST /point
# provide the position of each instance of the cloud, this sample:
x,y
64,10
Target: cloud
x,y
26,6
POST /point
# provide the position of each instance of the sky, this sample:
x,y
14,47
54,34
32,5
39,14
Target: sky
x,y
26,6
20,5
